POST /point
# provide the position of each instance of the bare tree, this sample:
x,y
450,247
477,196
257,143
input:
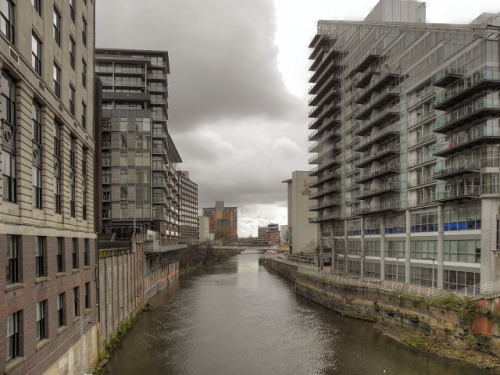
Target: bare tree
x,y
317,251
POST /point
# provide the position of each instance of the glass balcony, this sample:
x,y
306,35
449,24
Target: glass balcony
x,y
419,120
383,152
378,208
380,136
390,187
364,80
421,140
430,91
447,76
377,101
325,178
376,119
420,181
463,140
487,105
369,58
393,168
421,160
457,169
335,188
488,77
325,204
326,217
459,193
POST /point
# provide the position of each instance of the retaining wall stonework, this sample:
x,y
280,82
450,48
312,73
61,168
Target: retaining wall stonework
x,y
462,323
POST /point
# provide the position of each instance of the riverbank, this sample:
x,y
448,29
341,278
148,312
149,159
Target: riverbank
x,y
449,326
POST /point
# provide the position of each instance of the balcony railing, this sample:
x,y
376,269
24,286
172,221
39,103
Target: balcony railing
x,y
479,107
459,192
384,188
382,134
430,91
487,77
389,168
447,76
419,181
422,139
457,142
422,159
392,148
421,119
382,207
461,167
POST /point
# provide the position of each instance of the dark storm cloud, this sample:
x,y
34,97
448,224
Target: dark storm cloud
x,y
222,56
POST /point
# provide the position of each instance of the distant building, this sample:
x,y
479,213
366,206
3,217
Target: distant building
x,y
205,235
301,231
269,235
188,221
284,234
221,217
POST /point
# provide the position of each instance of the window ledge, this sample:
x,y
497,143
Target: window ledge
x,y
60,274
87,267
42,344
41,279
11,365
62,329
14,286
75,270
77,318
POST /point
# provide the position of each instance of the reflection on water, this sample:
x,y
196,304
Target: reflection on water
x,y
240,319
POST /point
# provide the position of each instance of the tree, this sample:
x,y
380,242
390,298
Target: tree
x,y
225,235
317,251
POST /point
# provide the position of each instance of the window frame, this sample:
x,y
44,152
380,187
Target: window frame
x,y
36,53
56,26
7,26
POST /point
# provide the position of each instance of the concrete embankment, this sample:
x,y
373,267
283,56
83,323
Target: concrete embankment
x,y
453,326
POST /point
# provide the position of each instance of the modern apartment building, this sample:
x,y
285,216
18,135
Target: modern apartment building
x,y
188,221
48,314
405,125
221,217
301,231
140,182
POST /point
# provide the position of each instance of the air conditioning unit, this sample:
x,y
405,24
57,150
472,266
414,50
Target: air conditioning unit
x,y
14,55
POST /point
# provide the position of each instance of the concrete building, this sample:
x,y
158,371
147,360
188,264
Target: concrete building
x,y
262,236
140,182
205,235
48,313
405,120
221,217
301,231
188,221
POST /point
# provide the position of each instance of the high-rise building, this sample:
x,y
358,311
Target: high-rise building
x,y
405,120
47,230
140,182
222,218
301,231
188,221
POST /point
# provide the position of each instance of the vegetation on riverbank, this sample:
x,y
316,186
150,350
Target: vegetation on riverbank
x,y
196,257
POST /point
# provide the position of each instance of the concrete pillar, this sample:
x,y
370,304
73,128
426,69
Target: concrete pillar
x,y
407,246
382,248
362,260
440,247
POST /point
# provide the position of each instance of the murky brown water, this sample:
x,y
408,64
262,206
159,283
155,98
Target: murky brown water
x,y
239,319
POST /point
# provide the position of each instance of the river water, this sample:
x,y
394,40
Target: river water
x,y
240,319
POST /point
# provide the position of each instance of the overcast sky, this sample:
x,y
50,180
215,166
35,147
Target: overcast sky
x,y
238,86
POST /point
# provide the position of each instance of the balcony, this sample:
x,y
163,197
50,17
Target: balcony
x,y
447,76
335,188
330,151
484,106
422,96
421,140
392,187
488,77
380,136
421,160
421,201
363,81
325,178
379,208
318,43
381,153
332,94
330,79
464,140
376,119
459,193
369,58
420,181
325,110
326,135
376,102
457,169
393,168
420,120
326,204
326,217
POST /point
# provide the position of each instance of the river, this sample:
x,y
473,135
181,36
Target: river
x,y
240,319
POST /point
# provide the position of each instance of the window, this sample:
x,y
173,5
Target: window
x,y
37,4
84,115
41,321
72,99
75,253
84,31
76,301
86,252
12,272
72,164
56,75
37,159
72,51
84,73
57,26
60,254
87,295
40,256
7,19
72,9
36,54
61,310
84,183
14,335
8,113
57,168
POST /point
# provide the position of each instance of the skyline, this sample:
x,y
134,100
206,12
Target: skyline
x,y
238,115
